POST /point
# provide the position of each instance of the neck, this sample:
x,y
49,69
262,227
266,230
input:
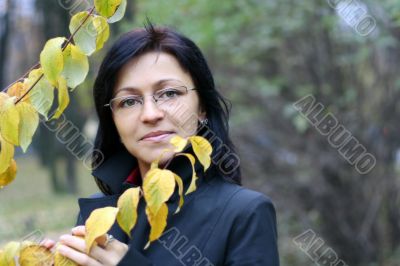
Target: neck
x,y
143,168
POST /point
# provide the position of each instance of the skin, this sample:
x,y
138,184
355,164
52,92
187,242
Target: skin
x,y
144,74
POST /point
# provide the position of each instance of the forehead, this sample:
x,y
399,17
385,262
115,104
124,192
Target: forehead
x,y
150,70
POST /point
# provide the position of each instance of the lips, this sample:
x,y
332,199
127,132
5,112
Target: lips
x,y
157,135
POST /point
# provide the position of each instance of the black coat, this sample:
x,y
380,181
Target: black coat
x,y
220,223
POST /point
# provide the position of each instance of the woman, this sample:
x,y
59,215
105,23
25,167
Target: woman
x,y
153,84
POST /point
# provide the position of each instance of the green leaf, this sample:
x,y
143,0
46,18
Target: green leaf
x,y
119,14
85,37
42,95
52,60
29,121
107,8
76,66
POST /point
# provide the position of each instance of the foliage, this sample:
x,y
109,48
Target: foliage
x,y
158,187
62,65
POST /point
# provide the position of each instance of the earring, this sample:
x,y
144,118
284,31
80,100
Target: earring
x,y
203,122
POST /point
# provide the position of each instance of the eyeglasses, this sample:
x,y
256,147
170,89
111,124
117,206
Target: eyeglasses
x,y
162,98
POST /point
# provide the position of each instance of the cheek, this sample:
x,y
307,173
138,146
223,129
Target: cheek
x,y
125,130
185,119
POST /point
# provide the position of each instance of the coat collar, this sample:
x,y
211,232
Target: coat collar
x,y
114,171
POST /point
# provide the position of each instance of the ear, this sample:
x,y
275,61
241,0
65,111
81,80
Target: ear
x,y
202,115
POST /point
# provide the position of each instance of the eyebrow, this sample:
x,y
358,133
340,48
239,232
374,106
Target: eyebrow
x,y
156,84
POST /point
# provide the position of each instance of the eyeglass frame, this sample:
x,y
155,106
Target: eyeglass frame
x,y
153,96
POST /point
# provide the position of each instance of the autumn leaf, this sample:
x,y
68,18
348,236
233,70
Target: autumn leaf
x,y
180,187
178,142
158,186
9,119
60,260
63,97
18,89
6,154
158,222
52,59
202,148
76,66
127,205
29,121
42,96
93,33
11,250
34,254
192,186
9,175
103,31
119,14
107,8
98,224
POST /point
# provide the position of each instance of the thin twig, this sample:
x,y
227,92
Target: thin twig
x,y
64,47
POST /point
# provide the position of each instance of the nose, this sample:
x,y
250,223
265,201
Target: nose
x,y
150,113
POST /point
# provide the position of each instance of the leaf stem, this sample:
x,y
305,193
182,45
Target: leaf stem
x,y
63,48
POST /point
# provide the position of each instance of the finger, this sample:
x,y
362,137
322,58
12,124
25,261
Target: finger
x,y
79,230
78,257
73,242
80,245
47,243
111,254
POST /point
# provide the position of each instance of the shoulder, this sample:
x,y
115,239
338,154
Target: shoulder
x,y
240,197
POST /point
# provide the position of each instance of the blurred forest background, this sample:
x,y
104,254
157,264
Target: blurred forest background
x,y
265,55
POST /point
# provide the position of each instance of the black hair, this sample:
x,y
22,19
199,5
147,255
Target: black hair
x,y
163,39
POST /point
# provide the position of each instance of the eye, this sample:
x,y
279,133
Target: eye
x,y
170,93
129,101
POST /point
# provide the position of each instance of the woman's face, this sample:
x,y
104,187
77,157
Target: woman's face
x,y
146,127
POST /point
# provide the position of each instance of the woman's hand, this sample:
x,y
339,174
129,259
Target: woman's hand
x,y
74,248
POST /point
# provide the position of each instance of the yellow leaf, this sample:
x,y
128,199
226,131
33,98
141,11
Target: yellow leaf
x,y
52,60
192,186
9,119
18,89
158,222
202,148
35,255
178,142
119,14
11,250
63,97
76,66
29,121
85,37
9,175
158,186
107,8
42,96
98,224
127,205
103,31
180,186
6,154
